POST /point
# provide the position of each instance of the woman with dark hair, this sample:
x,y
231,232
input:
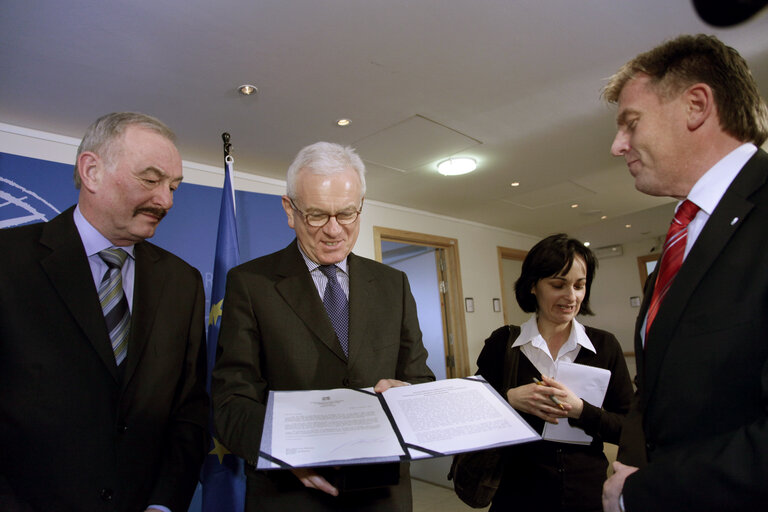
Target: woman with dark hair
x,y
545,476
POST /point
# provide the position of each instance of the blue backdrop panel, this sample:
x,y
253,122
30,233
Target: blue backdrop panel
x,y
33,190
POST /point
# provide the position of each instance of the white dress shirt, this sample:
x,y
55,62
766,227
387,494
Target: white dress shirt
x,y
534,347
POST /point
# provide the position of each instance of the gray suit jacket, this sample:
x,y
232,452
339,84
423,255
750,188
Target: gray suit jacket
x,y
276,335
700,421
74,435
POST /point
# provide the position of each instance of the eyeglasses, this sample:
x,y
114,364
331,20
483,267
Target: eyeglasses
x,y
318,220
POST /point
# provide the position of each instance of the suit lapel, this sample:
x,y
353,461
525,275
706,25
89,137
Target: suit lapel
x,y
70,274
362,306
732,211
295,286
639,348
148,283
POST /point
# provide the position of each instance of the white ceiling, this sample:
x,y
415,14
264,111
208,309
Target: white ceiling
x,y
512,83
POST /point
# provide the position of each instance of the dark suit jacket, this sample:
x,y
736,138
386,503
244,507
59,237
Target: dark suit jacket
x,y
276,335
73,434
700,421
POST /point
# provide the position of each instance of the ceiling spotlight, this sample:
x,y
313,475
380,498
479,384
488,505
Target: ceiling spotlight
x,y
603,217
343,121
627,226
587,244
514,184
247,89
456,165
574,205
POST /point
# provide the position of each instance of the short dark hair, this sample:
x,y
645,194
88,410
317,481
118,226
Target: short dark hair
x,y
551,257
686,60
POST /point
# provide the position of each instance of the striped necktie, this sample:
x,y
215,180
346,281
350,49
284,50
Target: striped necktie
x,y
113,302
671,258
337,306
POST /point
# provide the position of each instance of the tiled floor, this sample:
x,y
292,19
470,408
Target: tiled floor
x,y
434,498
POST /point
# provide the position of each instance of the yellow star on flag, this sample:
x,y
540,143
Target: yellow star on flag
x,y
215,313
219,450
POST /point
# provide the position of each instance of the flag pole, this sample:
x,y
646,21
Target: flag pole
x,y
227,147
222,476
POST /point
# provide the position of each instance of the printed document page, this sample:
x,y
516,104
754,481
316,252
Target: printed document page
x,y
313,428
453,416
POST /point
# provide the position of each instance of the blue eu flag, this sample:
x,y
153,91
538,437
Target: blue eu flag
x,y
223,479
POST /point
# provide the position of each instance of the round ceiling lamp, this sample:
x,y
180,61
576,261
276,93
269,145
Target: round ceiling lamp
x,y
456,165
247,89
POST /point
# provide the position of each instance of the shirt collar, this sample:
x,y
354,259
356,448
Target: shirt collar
x,y
529,333
311,265
711,187
93,241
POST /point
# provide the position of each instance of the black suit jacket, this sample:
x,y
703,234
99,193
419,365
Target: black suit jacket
x,y
276,335
74,435
700,422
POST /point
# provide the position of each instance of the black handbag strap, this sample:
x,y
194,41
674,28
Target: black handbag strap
x,y
511,358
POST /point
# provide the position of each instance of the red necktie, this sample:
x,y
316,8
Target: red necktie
x,y
671,258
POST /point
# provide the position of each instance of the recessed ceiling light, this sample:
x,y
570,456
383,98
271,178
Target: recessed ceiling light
x,y
627,226
587,244
574,205
343,121
456,165
603,217
247,89
514,184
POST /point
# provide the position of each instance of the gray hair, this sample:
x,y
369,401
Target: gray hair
x,y
324,158
101,136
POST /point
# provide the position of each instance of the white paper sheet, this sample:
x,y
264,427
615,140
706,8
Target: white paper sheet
x,y
589,384
455,415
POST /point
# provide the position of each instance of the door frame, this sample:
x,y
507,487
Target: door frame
x,y
456,334
506,253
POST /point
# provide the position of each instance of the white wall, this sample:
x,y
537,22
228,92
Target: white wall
x,y
477,242
616,280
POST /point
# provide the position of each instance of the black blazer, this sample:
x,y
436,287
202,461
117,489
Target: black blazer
x,y
547,475
700,420
73,434
276,335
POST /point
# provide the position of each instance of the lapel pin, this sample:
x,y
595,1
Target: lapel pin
x,y
734,221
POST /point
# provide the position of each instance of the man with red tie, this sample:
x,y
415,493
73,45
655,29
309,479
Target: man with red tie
x,y
689,119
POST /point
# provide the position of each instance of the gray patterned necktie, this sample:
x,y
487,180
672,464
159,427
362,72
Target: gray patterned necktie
x,y
113,302
337,306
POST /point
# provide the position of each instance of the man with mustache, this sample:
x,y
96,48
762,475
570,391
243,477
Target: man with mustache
x,y
102,349
690,120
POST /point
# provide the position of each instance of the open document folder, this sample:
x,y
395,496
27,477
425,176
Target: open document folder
x,y
358,426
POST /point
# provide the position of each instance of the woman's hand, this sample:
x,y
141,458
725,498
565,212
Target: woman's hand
x,y
535,399
576,403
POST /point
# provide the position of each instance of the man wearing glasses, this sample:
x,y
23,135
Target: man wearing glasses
x,y
316,316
